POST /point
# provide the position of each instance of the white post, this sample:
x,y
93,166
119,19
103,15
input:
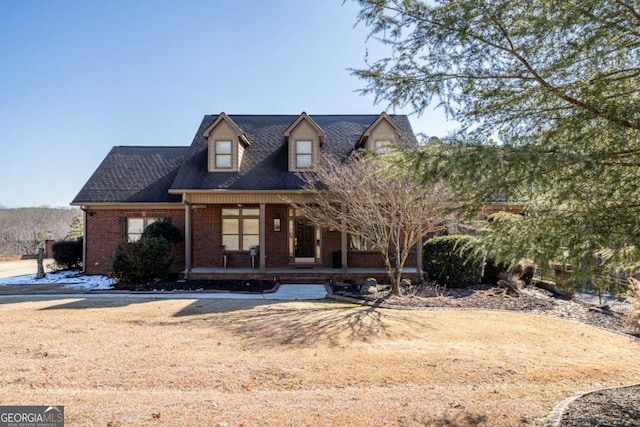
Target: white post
x,y
344,244
187,239
419,265
263,238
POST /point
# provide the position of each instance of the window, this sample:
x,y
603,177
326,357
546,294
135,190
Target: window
x,y
358,243
240,228
304,154
383,146
135,227
223,154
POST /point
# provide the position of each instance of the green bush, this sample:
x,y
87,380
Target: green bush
x,y
165,229
142,261
67,253
452,260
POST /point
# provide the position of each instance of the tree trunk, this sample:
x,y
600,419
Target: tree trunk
x,y
40,274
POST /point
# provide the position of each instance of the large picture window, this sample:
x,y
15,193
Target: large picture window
x,y
304,154
240,228
223,154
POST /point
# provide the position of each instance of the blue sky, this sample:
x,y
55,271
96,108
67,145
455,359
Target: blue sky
x,y
78,77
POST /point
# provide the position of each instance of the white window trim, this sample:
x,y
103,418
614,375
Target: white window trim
x,y
383,146
241,234
218,155
299,154
134,237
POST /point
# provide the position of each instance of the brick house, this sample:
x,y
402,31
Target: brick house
x,y
225,192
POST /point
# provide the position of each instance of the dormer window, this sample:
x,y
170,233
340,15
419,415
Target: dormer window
x,y
382,136
304,154
226,144
304,138
223,154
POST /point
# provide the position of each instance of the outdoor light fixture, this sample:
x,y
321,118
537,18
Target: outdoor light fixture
x,y
276,222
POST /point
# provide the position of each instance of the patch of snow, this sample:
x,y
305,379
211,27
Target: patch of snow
x,y
70,280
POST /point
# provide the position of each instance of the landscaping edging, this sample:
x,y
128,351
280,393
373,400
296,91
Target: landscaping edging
x,y
554,418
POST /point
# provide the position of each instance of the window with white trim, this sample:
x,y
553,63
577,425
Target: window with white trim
x,y
223,155
135,227
304,154
240,228
383,146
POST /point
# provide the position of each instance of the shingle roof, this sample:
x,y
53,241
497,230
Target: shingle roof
x,y
134,174
146,174
264,164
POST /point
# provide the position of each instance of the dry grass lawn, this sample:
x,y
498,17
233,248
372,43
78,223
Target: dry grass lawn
x,y
134,362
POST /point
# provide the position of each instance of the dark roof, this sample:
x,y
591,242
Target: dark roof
x,y
134,174
264,164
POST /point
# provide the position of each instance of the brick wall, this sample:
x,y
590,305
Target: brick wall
x,y
103,232
103,235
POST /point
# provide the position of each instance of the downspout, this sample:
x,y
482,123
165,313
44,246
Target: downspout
x,y
84,238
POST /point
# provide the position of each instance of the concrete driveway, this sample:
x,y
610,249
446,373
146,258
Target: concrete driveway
x,y
22,267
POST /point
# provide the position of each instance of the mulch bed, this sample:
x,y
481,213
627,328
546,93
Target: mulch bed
x,y
612,408
244,286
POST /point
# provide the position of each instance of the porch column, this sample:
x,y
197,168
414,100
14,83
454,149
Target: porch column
x,y
187,239
344,244
263,238
419,265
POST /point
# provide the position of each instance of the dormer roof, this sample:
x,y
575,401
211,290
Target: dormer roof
x,y
305,117
222,117
383,117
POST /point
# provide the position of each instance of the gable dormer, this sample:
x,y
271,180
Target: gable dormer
x,y
304,138
382,136
226,144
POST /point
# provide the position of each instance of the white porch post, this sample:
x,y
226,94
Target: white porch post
x,y
344,244
419,265
187,239
263,238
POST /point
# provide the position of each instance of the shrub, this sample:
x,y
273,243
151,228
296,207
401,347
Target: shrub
x,y
67,253
165,229
142,261
453,261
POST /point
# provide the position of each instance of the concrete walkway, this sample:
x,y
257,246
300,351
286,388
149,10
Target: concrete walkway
x,y
284,293
22,267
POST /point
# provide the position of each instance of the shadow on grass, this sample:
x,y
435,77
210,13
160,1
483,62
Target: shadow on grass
x,y
329,323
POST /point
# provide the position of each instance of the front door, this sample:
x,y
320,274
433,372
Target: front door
x,y
305,241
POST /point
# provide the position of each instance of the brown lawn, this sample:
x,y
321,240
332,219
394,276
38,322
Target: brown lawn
x,y
133,362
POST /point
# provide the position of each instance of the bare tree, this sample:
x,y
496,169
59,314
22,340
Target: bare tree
x,y
24,230
371,197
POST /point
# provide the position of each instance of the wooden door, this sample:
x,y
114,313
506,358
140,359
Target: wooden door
x,y
305,240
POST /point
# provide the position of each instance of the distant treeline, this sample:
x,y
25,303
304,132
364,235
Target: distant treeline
x,y
24,230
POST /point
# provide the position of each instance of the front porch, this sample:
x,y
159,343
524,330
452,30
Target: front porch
x,y
296,275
